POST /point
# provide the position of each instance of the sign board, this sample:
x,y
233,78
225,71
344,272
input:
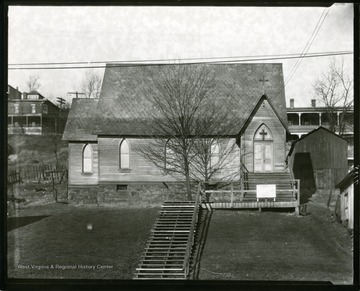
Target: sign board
x,y
266,191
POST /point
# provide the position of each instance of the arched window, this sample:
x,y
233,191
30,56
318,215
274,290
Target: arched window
x,y
124,155
87,156
214,151
263,133
169,156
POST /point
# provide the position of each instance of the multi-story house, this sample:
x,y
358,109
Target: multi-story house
x,y
302,120
31,113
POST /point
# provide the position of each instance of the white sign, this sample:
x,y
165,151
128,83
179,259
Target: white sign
x,y
266,191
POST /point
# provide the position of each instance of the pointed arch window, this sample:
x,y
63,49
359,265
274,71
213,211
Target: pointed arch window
x,y
87,159
124,155
263,133
215,152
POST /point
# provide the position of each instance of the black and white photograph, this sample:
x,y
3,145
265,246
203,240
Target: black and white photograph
x,y
181,143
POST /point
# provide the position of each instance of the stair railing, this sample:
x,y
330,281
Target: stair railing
x,y
244,176
190,241
295,183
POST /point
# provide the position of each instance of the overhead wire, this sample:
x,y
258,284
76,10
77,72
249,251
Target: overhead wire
x,y
156,60
308,44
304,53
213,61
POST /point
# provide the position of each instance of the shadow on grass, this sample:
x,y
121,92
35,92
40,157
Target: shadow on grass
x,y
200,241
16,222
277,210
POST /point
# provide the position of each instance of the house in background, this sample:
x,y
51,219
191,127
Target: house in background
x,y
102,134
344,210
302,120
319,159
32,114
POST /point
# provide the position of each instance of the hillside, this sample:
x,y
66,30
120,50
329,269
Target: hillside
x,y
25,150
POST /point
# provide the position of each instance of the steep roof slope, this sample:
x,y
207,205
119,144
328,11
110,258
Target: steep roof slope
x,y
81,120
124,109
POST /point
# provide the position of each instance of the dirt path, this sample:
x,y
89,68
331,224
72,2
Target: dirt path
x,y
248,245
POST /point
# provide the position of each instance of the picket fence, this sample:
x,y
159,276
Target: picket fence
x,y
38,174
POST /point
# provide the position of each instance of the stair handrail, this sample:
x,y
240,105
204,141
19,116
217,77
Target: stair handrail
x,y
190,241
244,175
244,167
294,183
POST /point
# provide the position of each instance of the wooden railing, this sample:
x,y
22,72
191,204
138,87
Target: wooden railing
x,y
244,176
295,190
190,241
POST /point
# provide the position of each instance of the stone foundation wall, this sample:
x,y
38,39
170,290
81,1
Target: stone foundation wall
x,y
134,195
83,195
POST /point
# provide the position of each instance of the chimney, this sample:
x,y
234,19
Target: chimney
x,y
291,103
313,103
24,95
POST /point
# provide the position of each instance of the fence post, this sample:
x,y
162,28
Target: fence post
x,y
298,191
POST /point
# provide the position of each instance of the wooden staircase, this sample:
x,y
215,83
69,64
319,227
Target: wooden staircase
x,y
168,250
282,180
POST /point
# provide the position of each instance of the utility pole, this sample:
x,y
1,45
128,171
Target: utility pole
x,y
61,101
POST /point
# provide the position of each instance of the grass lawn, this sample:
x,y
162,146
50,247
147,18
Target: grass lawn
x,y
57,234
239,245
248,245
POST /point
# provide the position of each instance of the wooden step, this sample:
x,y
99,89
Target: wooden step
x,y
166,248
164,260
178,204
154,275
160,269
166,243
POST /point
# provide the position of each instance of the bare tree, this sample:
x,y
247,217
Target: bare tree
x,y
334,90
186,124
54,142
33,83
91,84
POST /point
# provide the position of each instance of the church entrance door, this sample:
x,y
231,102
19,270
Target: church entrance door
x,y
263,156
263,150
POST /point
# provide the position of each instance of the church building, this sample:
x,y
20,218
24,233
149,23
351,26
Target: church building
x,y
102,133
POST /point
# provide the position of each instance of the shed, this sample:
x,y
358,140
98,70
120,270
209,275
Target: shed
x,y
344,210
319,159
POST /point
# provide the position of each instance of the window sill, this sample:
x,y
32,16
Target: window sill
x,y
87,173
124,170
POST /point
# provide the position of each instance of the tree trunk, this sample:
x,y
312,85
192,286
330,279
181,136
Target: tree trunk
x,y
188,185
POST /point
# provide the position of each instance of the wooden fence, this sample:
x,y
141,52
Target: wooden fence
x,y
38,174
14,177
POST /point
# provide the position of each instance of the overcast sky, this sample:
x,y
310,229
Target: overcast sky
x,y
90,34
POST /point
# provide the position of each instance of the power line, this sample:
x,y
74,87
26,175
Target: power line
x,y
133,63
157,60
308,44
304,53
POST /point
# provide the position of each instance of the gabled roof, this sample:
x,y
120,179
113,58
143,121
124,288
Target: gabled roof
x,y
34,92
124,109
81,120
256,108
310,133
